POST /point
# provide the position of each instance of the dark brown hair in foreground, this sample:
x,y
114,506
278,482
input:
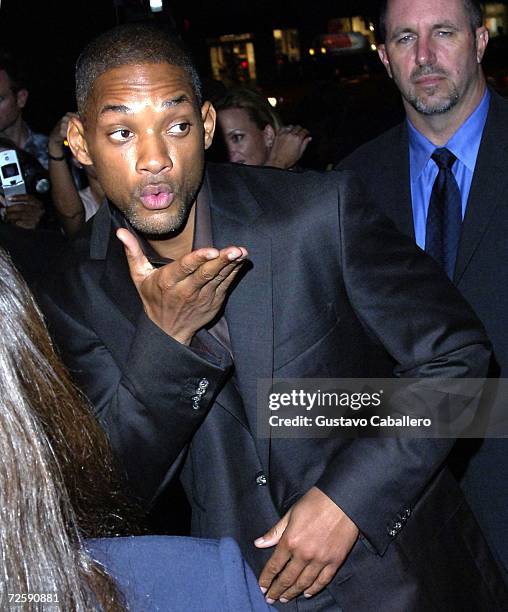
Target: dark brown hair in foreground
x,y
57,479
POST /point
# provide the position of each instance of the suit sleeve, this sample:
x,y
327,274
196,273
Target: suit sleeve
x,y
404,300
150,401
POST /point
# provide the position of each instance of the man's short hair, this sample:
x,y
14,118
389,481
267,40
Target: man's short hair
x,y
15,71
472,7
133,43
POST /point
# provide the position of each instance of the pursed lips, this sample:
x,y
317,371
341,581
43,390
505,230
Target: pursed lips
x,y
156,196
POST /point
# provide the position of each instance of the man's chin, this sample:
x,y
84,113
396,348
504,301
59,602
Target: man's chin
x,y
156,224
157,227
433,105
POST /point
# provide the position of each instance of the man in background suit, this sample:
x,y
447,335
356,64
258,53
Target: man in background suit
x,y
169,335
433,51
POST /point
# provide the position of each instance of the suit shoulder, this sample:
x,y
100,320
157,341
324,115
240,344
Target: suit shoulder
x,y
374,152
65,276
273,184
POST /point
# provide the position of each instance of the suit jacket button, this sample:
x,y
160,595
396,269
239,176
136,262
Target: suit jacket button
x,y
261,479
203,385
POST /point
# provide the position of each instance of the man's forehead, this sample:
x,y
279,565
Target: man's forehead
x,y
138,82
407,12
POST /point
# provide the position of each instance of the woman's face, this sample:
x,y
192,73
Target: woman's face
x,y
246,143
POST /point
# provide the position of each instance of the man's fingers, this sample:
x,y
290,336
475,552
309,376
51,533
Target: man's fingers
x,y
226,278
272,537
324,577
273,567
16,208
209,266
223,276
286,579
302,582
139,265
190,263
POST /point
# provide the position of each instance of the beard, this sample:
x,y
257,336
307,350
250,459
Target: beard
x,y
171,220
160,222
424,103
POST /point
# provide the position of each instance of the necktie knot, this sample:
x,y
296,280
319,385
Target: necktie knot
x,y
444,158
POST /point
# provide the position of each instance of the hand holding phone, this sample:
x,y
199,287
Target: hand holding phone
x,y
11,176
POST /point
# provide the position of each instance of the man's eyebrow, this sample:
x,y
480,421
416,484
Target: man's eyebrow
x,y
402,30
446,24
409,30
175,101
115,108
126,110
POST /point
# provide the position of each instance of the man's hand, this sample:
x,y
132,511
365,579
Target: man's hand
x,y
24,210
289,145
312,541
183,296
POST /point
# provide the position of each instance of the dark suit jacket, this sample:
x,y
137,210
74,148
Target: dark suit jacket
x,y
169,574
481,275
324,269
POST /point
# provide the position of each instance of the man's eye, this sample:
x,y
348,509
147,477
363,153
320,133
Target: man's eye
x,y
444,33
180,129
236,138
405,39
121,135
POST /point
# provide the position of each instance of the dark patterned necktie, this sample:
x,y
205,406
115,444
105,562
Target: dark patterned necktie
x,y
444,218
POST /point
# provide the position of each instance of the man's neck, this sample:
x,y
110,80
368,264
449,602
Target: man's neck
x,y
179,245
17,132
439,128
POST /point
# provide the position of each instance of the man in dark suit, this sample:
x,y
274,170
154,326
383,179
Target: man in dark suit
x,y
433,51
169,337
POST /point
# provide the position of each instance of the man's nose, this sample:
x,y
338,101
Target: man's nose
x,y
153,155
425,53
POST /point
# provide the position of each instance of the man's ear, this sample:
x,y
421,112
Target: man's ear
x,y
209,117
21,98
77,141
268,136
383,56
482,40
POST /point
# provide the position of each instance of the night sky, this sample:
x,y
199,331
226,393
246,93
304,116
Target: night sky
x,y
51,33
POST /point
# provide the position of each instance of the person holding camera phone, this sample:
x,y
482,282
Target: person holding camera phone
x,y
25,210
25,206
28,227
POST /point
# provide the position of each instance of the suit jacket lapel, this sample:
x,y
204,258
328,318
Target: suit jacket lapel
x,y
489,186
236,219
116,280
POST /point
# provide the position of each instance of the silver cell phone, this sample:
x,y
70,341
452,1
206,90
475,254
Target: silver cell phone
x,y
10,173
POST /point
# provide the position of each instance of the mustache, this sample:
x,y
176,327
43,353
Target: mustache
x,y
427,70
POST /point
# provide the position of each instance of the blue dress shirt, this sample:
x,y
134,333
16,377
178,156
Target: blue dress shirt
x,y
464,144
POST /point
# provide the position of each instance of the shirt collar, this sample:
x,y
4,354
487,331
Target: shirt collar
x,y
464,144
